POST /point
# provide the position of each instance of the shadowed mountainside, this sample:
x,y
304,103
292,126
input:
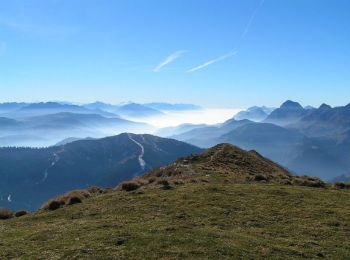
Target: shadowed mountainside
x,y
28,177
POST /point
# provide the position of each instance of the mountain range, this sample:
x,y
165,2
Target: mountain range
x,y
30,176
136,111
47,123
48,129
256,114
306,141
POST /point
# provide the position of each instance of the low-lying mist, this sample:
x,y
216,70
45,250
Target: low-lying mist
x,y
208,116
50,129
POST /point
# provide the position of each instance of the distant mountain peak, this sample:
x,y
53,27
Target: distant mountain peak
x,y
325,106
289,112
254,113
99,103
289,104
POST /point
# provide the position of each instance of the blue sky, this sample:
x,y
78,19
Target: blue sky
x,y
232,53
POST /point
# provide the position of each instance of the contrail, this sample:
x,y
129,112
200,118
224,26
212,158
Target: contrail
x,y
168,60
205,64
235,50
250,22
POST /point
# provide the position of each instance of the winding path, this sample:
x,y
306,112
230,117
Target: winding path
x,y
141,160
56,158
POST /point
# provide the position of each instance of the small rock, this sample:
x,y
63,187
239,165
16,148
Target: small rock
x,y
181,215
120,242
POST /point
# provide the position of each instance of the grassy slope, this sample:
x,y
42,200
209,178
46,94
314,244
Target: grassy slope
x,y
193,220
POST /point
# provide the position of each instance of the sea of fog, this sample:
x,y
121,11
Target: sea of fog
x,y
200,116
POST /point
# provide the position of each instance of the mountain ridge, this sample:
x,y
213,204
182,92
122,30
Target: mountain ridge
x,y
31,176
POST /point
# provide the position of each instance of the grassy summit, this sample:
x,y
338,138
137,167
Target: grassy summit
x,y
212,208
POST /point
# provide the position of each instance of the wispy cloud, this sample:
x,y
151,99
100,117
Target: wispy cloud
x,y
235,50
210,62
171,58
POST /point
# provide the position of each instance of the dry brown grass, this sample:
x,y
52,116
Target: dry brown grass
x,y
21,213
238,167
342,185
308,181
73,197
129,186
6,214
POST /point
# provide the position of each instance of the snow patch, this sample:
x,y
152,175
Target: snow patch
x,y
56,158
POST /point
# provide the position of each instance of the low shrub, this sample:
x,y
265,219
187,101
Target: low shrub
x,y
20,213
95,190
165,185
178,182
260,177
342,185
73,197
53,204
129,186
286,182
163,182
309,182
74,200
6,214
151,180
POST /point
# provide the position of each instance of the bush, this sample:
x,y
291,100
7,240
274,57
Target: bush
x,y
129,186
178,182
309,182
71,198
74,200
163,182
260,177
342,185
151,180
286,182
54,204
6,214
20,213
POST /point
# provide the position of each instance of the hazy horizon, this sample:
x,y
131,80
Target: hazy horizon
x,y
222,106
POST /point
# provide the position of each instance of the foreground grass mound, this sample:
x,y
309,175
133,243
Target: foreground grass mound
x,y
190,221
230,162
223,204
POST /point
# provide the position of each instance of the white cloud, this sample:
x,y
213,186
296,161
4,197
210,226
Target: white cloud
x,y
171,58
206,64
